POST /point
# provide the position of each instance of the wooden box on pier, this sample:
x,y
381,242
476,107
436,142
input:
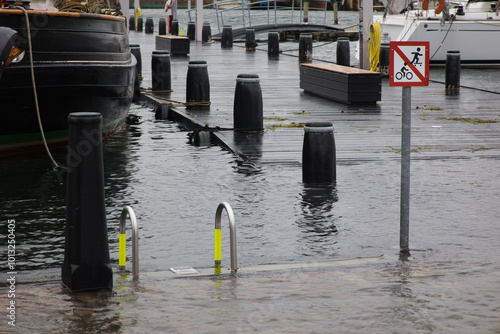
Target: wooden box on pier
x,y
176,45
341,83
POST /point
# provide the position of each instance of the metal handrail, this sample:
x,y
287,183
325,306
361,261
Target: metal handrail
x,y
242,6
123,242
232,236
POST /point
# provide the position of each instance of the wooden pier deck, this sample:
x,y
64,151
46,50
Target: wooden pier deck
x,y
443,127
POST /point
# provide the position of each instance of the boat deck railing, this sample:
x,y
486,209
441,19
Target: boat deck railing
x,y
260,12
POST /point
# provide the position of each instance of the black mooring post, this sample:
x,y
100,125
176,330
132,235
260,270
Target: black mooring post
x,y
305,48
273,44
198,84
191,31
250,43
162,26
206,33
139,23
160,68
131,23
452,80
318,154
86,253
226,40
135,49
150,27
343,51
174,28
248,107
384,59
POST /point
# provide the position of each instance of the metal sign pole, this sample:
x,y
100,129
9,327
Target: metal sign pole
x,y
405,170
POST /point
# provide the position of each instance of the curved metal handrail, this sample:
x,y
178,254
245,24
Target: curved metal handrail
x,y
123,241
232,236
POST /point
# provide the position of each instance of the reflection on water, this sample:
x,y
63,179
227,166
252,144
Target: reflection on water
x,y
318,216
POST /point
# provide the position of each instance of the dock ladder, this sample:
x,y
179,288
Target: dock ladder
x,y
128,211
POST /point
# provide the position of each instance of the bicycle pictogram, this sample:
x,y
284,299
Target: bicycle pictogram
x,y
404,72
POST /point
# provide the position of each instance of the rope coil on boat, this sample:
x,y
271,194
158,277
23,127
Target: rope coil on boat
x,y
91,6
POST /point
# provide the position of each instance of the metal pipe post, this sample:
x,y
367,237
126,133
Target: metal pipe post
x,y
405,170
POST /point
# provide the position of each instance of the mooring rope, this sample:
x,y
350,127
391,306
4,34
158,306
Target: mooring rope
x,y
37,108
91,6
174,102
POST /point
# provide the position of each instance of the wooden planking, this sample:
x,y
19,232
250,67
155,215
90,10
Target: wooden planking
x,y
362,132
340,69
342,83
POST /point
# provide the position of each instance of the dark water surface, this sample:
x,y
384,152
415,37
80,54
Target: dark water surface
x,y
450,284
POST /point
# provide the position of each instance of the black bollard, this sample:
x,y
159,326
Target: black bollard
x,y
452,80
226,40
384,59
131,23
318,154
250,39
162,26
273,44
248,111
305,48
139,24
135,49
201,138
160,68
343,51
174,28
198,85
137,88
150,27
162,112
86,252
206,33
192,31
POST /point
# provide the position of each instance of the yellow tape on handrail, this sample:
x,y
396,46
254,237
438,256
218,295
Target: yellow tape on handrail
x,y
218,246
122,249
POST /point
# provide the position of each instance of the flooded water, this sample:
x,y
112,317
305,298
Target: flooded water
x,y
450,284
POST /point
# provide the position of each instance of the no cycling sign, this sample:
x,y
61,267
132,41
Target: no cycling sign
x,y
409,64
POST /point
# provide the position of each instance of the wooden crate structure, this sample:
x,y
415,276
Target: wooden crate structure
x,y
176,45
341,83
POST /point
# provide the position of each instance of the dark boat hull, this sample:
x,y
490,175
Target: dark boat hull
x,y
82,63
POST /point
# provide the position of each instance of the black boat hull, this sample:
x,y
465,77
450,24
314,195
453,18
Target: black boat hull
x,y
82,63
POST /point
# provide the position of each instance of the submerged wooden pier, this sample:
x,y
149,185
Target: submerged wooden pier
x,y
443,127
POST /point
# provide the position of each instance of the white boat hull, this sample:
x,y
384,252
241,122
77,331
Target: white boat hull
x,y
476,35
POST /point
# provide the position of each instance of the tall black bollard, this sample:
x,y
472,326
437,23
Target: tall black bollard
x,y
162,26
86,253
248,109
226,40
343,51
139,24
318,154
191,31
384,59
250,39
150,26
174,28
135,49
452,80
206,32
198,85
131,23
273,44
160,68
305,48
